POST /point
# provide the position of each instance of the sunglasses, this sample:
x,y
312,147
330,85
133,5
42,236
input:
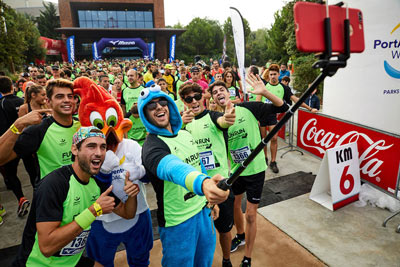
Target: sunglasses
x,y
189,99
153,105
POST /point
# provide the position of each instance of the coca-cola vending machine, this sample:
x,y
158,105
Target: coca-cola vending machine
x,y
379,152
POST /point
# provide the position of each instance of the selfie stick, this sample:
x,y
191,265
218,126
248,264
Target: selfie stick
x,y
329,68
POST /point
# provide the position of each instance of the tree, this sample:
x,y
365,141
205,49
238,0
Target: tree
x,y
203,37
48,22
19,40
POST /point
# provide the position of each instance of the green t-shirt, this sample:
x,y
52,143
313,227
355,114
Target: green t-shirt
x,y
211,144
128,98
61,197
243,138
178,85
276,90
176,209
50,141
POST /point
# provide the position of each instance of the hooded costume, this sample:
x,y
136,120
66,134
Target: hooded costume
x,y
100,109
173,166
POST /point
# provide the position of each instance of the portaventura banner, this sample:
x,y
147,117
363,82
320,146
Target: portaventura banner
x,y
367,91
71,49
238,36
172,43
119,42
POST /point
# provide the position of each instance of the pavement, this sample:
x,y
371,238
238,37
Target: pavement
x,y
350,236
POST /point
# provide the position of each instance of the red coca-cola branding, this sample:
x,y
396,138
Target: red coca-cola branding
x,y
379,152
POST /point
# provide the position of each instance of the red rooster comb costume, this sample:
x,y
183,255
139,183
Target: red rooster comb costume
x,y
98,108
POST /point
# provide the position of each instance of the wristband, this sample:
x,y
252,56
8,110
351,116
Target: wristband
x,y
14,129
97,208
85,219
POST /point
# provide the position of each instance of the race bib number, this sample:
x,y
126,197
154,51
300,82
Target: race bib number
x,y
239,155
75,246
232,92
207,158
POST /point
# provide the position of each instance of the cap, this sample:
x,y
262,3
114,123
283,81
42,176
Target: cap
x,y
195,69
168,66
55,67
86,132
25,74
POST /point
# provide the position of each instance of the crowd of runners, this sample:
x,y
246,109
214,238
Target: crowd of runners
x,y
182,127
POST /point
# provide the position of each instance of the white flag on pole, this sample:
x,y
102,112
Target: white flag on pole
x,y
238,36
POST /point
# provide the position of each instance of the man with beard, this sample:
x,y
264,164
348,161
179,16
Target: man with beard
x,y
209,130
67,201
243,138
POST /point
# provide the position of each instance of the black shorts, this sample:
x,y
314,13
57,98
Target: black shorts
x,y
252,185
269,121
224,223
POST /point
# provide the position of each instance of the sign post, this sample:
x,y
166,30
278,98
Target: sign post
x,y
338,181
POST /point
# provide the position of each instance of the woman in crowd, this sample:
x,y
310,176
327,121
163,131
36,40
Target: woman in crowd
x,y
229,79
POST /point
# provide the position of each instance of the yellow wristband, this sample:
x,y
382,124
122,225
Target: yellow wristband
x,y
14,129
97,208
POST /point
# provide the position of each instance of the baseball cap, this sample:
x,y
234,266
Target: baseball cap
x,y
194,69
168,66
86,132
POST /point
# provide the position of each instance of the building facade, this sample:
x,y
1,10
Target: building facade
x,y
91,20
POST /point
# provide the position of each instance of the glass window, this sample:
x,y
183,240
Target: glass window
x,y
81,15
122,24
130,15
94,15
88,15
131,24
139,16
89,24
96,24
148,16
82,23
140,24
148,24
102,24
112,15
102,15
121,16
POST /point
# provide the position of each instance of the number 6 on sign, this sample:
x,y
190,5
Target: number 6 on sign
x,y
339,174
346,177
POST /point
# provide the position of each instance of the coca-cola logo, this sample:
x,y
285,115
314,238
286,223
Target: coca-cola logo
x,y
321,140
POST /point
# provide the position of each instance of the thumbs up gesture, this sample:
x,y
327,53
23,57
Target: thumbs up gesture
x,y
130,188
187,116
106,202
229,115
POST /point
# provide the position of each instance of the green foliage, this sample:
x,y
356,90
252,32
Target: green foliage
x,y
48,21
304,73
203,37
20,43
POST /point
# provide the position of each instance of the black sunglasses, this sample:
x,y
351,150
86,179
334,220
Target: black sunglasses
x,y
153,105
189,99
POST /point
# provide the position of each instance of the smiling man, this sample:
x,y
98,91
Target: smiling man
x,y
243,138
209,130
67,201
172,163
51,139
